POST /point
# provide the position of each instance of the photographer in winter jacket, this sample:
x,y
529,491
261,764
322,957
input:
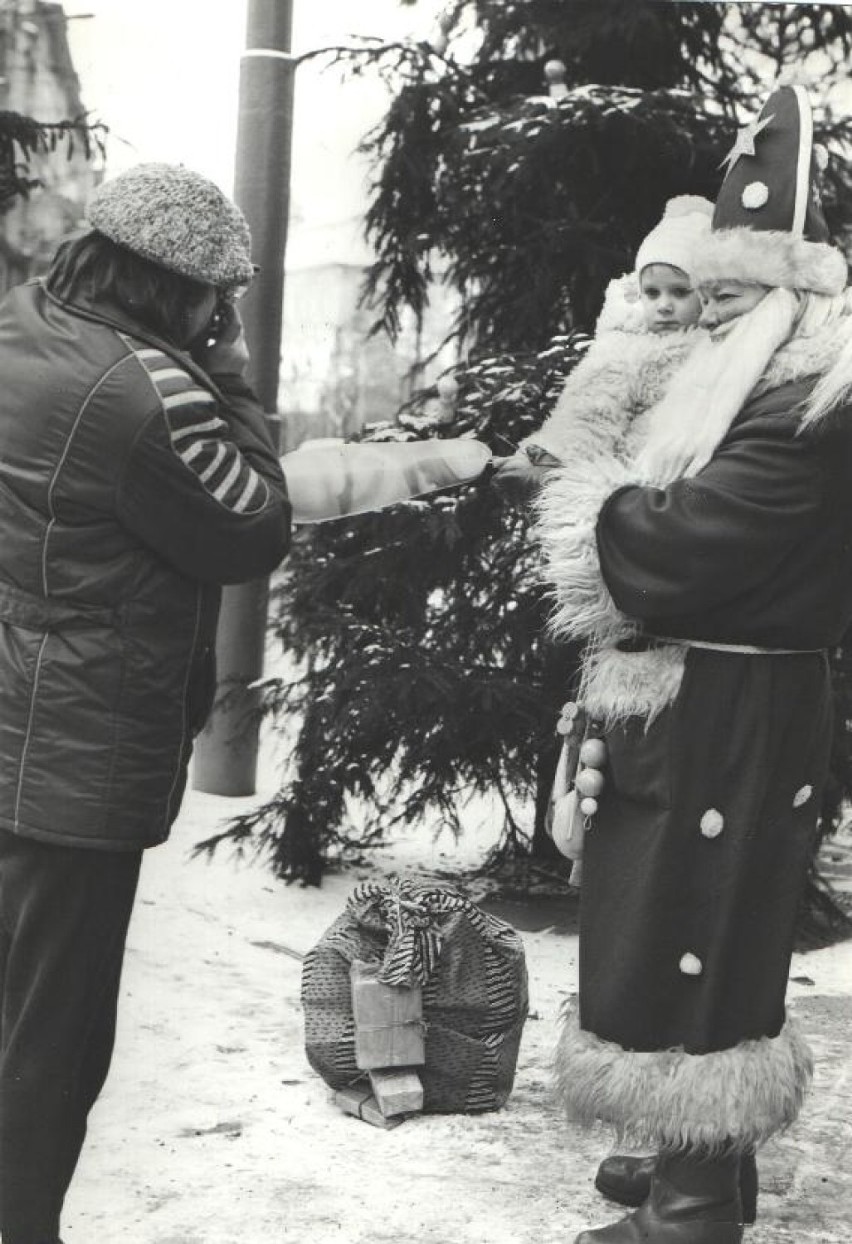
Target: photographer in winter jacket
x,y
136,477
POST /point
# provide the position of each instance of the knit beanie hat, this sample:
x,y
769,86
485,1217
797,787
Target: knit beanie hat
x,y
768,224
685,223
177,219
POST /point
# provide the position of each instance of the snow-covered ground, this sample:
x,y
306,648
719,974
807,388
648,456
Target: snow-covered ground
x,y
214,1130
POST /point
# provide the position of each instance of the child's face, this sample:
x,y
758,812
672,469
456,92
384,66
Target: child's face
x,y
669,303
725,301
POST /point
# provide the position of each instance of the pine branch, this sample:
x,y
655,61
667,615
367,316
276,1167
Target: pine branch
x,y
22,138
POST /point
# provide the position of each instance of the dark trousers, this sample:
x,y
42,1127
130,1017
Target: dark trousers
x,y
64,914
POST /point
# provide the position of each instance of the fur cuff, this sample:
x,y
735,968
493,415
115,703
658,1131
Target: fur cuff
x,y
617,685
567,511
770,257
736,1098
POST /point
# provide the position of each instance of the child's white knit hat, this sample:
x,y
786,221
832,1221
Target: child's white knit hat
x,y
674,241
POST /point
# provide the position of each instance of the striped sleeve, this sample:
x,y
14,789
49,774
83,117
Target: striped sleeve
x,y
200,484
201,438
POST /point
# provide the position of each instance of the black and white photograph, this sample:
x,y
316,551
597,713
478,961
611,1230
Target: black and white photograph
x,y
425,622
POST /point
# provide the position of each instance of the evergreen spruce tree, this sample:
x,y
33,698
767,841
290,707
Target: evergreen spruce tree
x,y
422,672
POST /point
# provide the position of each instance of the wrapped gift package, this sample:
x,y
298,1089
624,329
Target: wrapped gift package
x,y
397,1092
388,1020
471,972
358,1100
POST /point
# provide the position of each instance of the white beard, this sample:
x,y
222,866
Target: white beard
x,y
711,388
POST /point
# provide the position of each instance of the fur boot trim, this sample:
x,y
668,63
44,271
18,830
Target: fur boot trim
x,y
736,1098
617,685
770,257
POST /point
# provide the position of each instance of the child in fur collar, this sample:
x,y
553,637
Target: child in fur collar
x,y
646,329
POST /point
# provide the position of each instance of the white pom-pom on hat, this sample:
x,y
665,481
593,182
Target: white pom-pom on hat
x,y
687,205
674,241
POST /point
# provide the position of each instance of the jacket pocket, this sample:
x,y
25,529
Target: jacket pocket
x,y
66,755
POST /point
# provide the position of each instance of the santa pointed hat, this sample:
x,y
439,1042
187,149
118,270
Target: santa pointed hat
x,y
768,226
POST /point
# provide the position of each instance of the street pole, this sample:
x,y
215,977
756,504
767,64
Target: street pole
x,y
226,751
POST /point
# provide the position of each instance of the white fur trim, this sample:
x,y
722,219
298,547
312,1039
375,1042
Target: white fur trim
x,y
594,405
621,375
567,511
832,346
617,685
590,431
807,354
770,257
738,1097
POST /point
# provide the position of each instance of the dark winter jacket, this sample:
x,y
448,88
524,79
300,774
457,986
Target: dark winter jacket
x,y
131,487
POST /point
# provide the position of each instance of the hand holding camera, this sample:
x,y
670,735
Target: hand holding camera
x,y
222,348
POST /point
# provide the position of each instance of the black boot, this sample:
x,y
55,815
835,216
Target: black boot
x,y
692,1200
627,1180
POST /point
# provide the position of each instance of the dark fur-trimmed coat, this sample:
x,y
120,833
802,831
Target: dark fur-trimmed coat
x,y
695,861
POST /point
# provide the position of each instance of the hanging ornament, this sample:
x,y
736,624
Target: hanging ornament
x,y
593,753
590,782
448,392
439,41
555,74
568,719
568,829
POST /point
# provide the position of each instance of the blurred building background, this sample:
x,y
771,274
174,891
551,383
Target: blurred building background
x,y
38,79
57,60
335,374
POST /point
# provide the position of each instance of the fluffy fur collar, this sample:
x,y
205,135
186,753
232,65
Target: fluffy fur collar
x,y
621,376
806,355
599,446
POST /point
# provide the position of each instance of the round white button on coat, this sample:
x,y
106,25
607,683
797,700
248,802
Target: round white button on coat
x,y
712,823
691,965
802,796
755,195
